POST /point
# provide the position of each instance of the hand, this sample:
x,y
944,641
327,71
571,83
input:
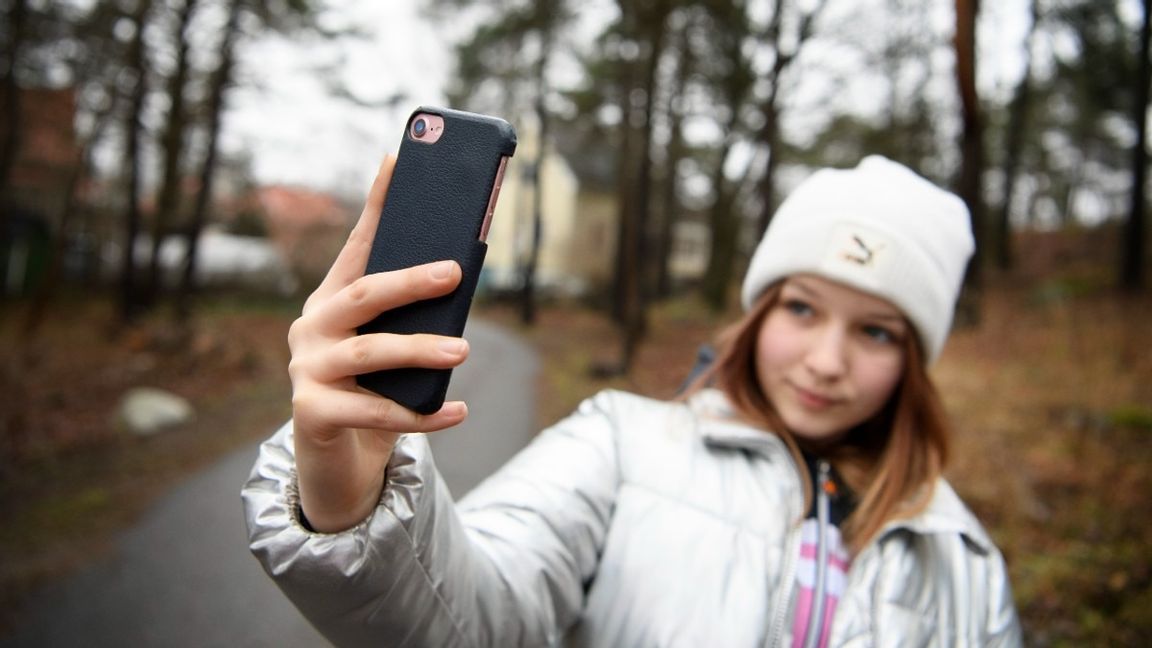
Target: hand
x,y
344,435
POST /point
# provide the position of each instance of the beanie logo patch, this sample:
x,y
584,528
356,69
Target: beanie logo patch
x,y
858,247
860,252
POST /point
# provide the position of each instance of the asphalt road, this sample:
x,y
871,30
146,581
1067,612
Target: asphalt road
x,y
184,577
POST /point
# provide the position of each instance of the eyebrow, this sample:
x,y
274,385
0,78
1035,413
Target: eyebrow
x,y
886,317
799,284
812,292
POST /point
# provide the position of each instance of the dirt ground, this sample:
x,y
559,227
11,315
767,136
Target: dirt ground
x,y
70,476
1051,397
1051,401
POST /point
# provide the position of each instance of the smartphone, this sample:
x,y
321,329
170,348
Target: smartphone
x,y
439,206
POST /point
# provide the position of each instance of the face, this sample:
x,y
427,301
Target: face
x,y
829,357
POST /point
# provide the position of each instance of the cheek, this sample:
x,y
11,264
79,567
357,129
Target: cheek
x,y
881,379
774,348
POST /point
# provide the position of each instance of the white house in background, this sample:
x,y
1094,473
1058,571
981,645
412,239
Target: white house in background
x,y
222,259
579,229
510,236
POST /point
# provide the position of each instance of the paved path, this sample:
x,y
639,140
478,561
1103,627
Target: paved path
x,y
184,576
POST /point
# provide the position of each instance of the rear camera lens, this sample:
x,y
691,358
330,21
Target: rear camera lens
x,y
419,127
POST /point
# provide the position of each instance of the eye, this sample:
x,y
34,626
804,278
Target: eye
x,y
797,307
880,334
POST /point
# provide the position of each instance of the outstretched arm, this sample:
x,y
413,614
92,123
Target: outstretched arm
x,y
344,435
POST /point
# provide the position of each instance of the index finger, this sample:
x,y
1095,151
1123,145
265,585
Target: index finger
x,y
353,258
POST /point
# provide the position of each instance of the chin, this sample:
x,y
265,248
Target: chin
x,y
816,434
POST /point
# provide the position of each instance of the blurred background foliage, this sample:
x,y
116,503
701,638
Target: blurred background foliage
x,y
112,173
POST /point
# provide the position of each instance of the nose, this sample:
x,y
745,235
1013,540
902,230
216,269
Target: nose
x,y
827,356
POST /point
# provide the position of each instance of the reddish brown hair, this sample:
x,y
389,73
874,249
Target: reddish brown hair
x,y
891,461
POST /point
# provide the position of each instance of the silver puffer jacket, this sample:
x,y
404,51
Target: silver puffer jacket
x,y
633,522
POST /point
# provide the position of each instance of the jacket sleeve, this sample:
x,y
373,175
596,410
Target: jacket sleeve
x,y
507,567
1003,625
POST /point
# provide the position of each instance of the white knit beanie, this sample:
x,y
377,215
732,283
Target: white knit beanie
x,y
879,228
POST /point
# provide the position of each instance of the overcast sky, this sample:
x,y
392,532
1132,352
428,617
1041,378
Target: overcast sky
x,y
298,133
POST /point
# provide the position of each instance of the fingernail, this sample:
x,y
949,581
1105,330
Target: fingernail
x,y
455,408
453,346
440,270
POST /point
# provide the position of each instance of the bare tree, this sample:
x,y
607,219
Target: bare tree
x,y
650,25
173,142
82,165
668,215
1135,239
219,84
1014,145
545,21
515,48
770,108
971,149
136,73
733,78
17,20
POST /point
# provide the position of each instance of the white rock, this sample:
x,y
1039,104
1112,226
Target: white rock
x,y
145,410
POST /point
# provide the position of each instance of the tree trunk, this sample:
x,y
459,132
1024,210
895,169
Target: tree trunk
x,y
635,313
528,290
626,289
173,141
972,152
771,140
722,219
221,80
47,289
1135,238
10,93
657,22
670,207
670,203
130,306
1013,145
770,133
625,190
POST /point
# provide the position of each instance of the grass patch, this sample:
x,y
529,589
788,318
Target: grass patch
x,y
70,479
1051,400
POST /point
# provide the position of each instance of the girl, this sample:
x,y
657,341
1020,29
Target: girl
x,y
793,498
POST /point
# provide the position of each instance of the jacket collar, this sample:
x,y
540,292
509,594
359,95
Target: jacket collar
x,y
945,513
719,426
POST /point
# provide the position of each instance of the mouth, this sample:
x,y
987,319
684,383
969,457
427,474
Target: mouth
x,y
813,400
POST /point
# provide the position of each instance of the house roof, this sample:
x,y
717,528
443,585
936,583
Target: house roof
x,y
294,207
48,141
591,156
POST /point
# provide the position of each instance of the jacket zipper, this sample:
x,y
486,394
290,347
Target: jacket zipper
x,y
788,574
816,620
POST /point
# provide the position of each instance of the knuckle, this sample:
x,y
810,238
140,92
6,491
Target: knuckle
x,y
357,291
302,401
296,332
385,415
302,369
295,367
361,353
311,302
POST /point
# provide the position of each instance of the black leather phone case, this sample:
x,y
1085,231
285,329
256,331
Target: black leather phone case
x,y
434,210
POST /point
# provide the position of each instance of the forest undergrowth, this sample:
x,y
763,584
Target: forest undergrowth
x,y
1051,402
1051,397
